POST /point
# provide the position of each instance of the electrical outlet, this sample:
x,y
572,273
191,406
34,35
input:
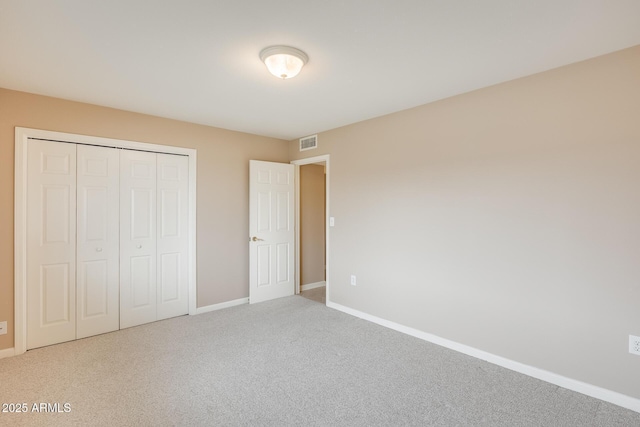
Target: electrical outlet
x,y
634,345
353,280
3,327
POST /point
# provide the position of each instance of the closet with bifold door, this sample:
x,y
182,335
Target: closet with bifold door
x,y
107,239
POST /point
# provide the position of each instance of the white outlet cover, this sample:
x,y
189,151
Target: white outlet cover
x,y
634,345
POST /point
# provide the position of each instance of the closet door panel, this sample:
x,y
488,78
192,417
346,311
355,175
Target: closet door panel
x,y
98,274
138,287
51,243
173,229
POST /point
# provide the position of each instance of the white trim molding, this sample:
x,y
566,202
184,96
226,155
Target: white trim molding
x,y
325,158
7,352
222,305
310,286
541,374
22,135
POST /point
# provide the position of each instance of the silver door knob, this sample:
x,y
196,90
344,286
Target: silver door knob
x,y
255,239
98,249
139,246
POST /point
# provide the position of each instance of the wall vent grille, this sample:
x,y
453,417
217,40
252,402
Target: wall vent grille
x,y
309,142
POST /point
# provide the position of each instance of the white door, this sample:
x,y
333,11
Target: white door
x,y
95,259
172,235
271,230
98,214
51,243
137,238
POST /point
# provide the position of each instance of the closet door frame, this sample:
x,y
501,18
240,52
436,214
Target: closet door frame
x,y
22,136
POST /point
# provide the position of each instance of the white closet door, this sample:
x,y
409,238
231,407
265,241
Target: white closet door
x,y
51,243
172,244
98,198
138,294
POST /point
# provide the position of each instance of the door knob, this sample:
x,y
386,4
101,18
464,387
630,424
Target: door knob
x,y
255,239
98,249
139,246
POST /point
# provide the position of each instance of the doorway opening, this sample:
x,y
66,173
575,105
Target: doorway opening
x,y
312,231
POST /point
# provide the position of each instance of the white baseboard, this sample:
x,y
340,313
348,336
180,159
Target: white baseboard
x,y
541,374
310,286
7,352
220,306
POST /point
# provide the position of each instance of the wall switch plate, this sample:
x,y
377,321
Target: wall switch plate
x,y
3,327
353,280
634,345
332,221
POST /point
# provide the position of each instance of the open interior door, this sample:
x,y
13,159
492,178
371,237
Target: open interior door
x,y
271,230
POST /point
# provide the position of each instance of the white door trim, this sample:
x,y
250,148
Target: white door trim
x,y
297,163
20,210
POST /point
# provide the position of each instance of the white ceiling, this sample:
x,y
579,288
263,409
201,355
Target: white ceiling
x,y
197,61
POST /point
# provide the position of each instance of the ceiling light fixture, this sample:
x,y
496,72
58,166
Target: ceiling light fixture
x,y
283,61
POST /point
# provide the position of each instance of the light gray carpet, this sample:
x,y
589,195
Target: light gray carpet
x,y
286,362
316,294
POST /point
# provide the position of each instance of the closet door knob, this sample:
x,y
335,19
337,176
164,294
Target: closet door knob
x,y
139,246
98,249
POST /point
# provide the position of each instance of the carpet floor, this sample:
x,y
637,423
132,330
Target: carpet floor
x,y
316,294
286,362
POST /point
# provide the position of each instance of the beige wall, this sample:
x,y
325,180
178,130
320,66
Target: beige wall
x,y
506,219
311,224
223,184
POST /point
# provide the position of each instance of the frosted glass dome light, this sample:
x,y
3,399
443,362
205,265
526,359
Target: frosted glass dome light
x,y
283,62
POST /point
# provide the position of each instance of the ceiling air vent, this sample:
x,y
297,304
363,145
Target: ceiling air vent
x,y
309,142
